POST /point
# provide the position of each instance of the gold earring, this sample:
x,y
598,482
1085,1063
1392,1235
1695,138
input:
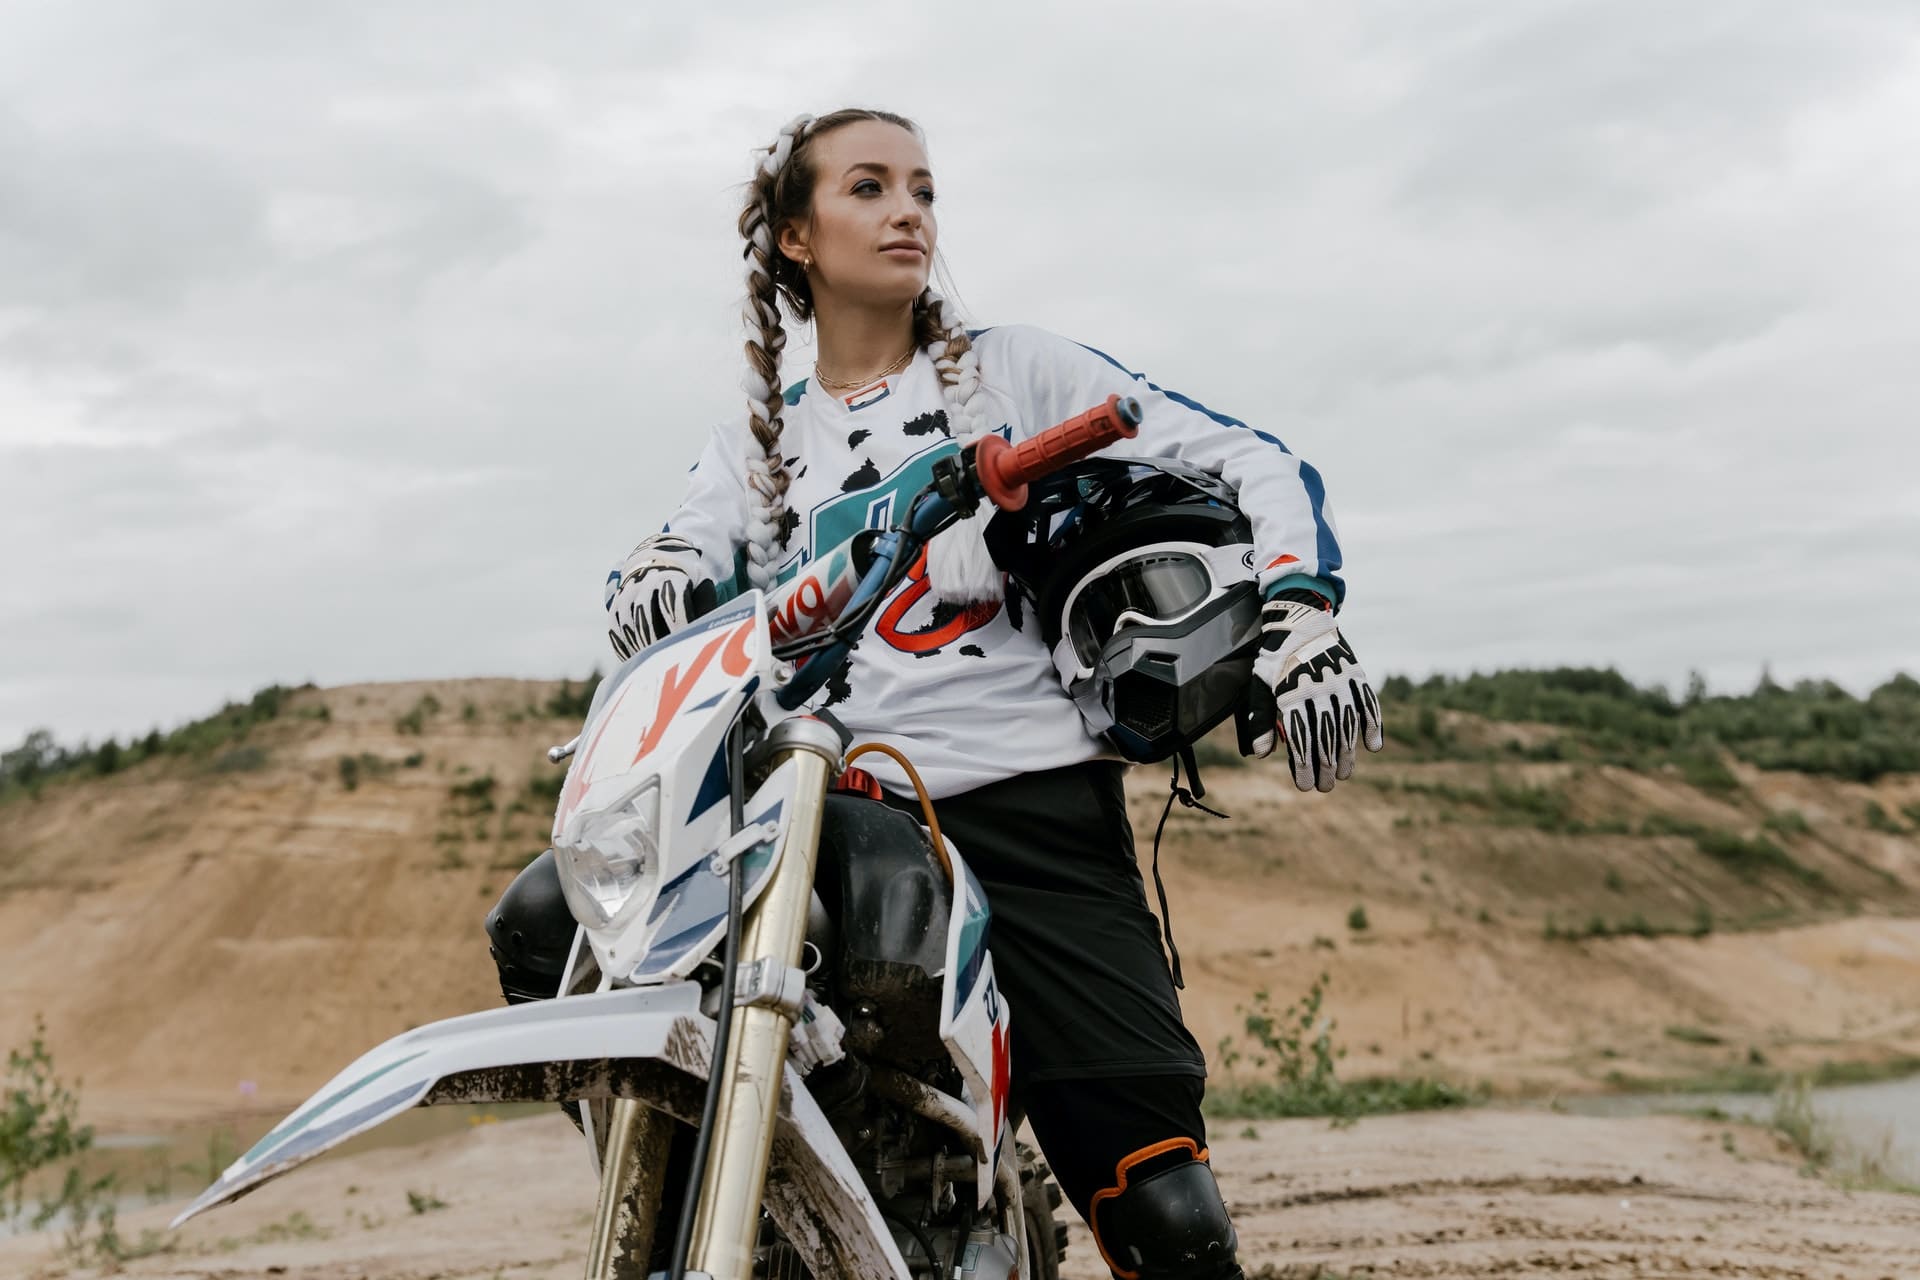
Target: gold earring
x,y
806,263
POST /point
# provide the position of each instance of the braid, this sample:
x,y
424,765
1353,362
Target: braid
x,y
958,562
766,338
938,331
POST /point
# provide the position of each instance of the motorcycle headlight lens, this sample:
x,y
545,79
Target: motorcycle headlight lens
x,y
610,860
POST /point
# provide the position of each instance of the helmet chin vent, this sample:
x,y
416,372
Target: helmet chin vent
x,y
1150,703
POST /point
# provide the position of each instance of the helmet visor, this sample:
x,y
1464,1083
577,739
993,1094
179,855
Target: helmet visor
x,y
1158,585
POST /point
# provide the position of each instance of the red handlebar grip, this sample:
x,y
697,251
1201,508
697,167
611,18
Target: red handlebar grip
x,y
1006,470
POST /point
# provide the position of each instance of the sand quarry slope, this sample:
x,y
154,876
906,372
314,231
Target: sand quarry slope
x,y
211,937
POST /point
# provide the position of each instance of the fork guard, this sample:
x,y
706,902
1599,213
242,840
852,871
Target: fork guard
x,y
648,1043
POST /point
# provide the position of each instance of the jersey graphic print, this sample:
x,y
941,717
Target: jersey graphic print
x,y
912,621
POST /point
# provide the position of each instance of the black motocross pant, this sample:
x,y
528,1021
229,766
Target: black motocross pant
x,y
1102,1064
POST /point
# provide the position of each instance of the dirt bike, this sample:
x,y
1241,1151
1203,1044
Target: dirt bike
x,y
687,835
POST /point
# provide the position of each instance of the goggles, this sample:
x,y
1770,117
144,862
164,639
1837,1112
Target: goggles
x,y
1148,586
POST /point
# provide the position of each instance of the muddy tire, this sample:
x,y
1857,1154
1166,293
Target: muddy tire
x,y
1046,1234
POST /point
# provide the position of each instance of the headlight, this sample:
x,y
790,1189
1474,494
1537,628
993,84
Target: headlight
x,y
610,859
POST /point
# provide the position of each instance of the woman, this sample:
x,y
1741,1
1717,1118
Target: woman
x,y
840,230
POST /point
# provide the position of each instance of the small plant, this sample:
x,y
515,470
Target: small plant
x,y
1694,1035
469,712
1805,1131
570,701
240,760
424,1203
475,794
1614,883
349,773
39,1130
1879,820
415,720
1357,919
1788,822
1747,858
222,1147
1703,767
1296,1045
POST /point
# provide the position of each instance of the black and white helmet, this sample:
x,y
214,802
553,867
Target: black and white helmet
x,y
1141,576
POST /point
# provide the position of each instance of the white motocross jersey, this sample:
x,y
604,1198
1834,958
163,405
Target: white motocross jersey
x,y
969,692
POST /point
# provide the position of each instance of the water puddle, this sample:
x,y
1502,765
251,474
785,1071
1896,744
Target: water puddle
x,y
1880,1120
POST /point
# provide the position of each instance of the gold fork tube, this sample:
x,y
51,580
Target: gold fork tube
x,y
626,1216
728,1219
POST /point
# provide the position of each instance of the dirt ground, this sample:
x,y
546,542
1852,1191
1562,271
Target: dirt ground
x,y
1485,1193
208,942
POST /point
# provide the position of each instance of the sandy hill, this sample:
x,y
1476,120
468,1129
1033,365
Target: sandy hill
x,y
224,928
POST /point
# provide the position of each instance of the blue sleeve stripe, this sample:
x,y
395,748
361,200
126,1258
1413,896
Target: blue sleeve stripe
x,y
1326,546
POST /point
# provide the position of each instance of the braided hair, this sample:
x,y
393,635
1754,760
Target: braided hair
x,y
781,191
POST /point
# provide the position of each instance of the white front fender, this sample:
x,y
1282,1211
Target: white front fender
x,y
650,1043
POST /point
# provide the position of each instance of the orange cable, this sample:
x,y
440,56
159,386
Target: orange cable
x,y
926,805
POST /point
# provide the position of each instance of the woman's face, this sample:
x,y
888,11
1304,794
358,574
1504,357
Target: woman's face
x,y
871,231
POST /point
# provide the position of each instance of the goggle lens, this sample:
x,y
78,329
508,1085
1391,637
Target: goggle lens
x,y
1160,585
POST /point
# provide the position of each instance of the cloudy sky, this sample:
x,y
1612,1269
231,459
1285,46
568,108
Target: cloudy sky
x,y
353,341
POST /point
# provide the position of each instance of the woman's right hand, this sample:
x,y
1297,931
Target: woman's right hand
x,y
647,595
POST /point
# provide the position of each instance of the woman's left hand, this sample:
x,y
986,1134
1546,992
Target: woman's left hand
x,y
1309,691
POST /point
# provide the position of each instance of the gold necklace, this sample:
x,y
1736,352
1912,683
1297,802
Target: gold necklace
x,y
830,385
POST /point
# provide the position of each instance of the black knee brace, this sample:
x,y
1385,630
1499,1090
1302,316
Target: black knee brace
x,y
1164,1219
530,932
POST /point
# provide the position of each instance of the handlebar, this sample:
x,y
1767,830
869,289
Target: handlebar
x,y
839,595
1006,470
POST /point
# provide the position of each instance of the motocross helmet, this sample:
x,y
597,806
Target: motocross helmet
x,y
1141,576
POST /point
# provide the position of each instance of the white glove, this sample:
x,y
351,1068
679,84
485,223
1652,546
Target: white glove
x,y
816,1036
1308,685
647,596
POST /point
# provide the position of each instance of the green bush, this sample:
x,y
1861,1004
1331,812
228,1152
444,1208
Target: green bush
x,y
1815,726
475,794
40,1132
1296,1043
240,760
571,703
415,720
1750,857
1702,767
1878,819
1790,822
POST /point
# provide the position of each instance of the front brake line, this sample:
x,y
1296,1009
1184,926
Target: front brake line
x,y
729,966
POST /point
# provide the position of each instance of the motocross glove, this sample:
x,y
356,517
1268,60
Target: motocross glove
x,y
647,595
1308,689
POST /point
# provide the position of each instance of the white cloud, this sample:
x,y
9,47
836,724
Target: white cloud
x,y
353,341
